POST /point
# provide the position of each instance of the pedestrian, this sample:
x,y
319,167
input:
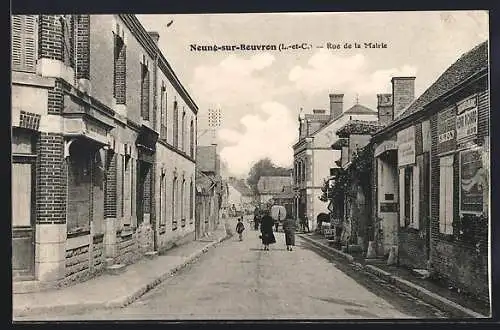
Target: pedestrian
x,y
276,225
266,229
240,227
289,229
305,224
256,222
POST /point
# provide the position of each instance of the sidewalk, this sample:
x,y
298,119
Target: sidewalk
x,y
429,291
110,291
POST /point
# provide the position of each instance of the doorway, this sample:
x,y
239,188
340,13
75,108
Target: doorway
x,y
23,217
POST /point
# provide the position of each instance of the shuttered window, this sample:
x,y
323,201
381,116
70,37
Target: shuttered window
x,y
24,41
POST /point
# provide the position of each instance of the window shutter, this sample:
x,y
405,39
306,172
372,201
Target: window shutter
x,y
446,194
416,197
17,42
30,36
24,43
449,197
401,197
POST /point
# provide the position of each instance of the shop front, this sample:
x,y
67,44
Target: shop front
x,y
146,220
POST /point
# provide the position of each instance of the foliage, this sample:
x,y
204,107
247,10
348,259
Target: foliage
x,y
264,167
359,171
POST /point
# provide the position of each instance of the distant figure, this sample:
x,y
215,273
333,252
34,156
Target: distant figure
x,y
276,225
266,229
256,221
240,227
305,224
289,229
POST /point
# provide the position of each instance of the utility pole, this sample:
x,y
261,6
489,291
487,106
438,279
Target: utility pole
x,y
213,120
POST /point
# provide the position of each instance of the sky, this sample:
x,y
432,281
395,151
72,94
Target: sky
x,y
260,92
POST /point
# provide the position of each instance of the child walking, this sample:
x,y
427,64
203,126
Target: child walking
x,y
240,227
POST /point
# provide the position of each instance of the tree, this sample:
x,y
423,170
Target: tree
x,y
265,167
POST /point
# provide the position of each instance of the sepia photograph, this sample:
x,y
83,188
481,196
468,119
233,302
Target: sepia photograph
x,y
251,166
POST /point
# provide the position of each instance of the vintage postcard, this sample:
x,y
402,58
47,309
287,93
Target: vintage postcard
x,y
252,166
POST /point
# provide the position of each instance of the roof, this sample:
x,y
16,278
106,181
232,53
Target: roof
x,y
360,110
273,184
360,127
317,117
206,158
470,63
337,145
241,186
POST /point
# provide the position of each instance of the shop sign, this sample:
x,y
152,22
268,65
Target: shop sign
x,y
472,181
446,130
466,122
406,146
385,146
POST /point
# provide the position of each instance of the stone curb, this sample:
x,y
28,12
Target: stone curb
x,y
121,301
407,286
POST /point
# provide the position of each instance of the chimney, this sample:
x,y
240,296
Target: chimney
x,y
154,35
336,105
384,107
403,93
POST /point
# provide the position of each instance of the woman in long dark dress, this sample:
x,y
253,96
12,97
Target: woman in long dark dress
x,y
266,229
289,229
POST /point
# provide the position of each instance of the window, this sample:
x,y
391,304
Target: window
x,y
79,190
127,190
163,115
446,195
162,200
303,171
191,139
176,125
182,203
122,186
119,66
24,43
174,201
144,90
191,201
409,187
183,131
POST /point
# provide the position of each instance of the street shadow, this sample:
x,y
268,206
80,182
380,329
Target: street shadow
x,y
405,304
338,301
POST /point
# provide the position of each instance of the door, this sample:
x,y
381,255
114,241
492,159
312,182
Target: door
x,y
23,215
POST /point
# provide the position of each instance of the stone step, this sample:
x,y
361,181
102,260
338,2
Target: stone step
x,y
109,262
32,286
422,273
354,248
116,269
151,254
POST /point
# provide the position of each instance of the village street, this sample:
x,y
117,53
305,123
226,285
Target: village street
x,y
238,280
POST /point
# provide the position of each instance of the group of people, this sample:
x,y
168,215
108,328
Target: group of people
x,y
266,223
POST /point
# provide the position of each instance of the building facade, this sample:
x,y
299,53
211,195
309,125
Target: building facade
x,y
313,156
270,186
103,146
432,161
208,190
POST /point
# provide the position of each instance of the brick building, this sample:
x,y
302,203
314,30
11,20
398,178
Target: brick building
x,y
103,144
432,174
313,156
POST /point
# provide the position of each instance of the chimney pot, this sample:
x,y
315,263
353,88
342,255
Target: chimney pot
x,y
336,105
154,35
403,94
